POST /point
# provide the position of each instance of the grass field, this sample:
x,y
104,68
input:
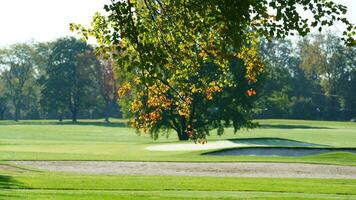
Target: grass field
x,y
42,185
93,140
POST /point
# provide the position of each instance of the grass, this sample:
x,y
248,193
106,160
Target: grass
x,y
43,185
94,140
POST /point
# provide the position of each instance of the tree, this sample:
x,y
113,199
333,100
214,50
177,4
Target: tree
x,y
348,85
106,83
196,63
3,99
286,92
324,59
68,78
19,75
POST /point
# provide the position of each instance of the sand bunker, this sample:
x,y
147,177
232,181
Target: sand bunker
x,y
224,144
196,147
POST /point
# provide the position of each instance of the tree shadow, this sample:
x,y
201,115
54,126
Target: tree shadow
x,y
272,141
8,182
68,123
103,124
285,126
9,196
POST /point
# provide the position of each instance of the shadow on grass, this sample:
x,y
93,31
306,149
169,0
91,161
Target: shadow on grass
x,y
122,123
103,124
275,142
8,182
287,126
278,151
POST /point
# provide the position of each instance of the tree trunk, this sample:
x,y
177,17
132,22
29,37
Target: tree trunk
x,y
2,113
60,117
17,113
182,136
107,111
74,115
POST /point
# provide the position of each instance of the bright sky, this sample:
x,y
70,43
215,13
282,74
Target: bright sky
x,y
45,20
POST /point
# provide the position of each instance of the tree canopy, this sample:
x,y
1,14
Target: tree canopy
x,y
195,62
67,82
19,61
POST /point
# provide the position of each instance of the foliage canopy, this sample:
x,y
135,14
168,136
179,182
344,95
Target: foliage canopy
x,y
195,62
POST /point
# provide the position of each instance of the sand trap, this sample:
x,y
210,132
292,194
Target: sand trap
x,y
197,147
223,144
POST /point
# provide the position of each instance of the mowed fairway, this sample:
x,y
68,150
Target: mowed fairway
x,y
96,141
93,140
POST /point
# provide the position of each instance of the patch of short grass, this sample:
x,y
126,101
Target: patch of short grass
x,y
96,140
44,185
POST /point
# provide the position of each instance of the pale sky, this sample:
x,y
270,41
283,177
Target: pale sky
x,y
45,20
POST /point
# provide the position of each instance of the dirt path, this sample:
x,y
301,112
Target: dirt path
x,y
197,169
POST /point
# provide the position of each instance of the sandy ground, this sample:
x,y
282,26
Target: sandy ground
x,y
196,169
196,147
222,144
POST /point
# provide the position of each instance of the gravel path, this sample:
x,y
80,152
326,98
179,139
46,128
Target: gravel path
x,y
197,169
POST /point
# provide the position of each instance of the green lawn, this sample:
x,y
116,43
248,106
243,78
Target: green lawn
x,y
43,185
94,140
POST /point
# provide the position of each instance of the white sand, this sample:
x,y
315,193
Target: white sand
x,y
197,147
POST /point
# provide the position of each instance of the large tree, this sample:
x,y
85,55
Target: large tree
x,y
325,59
67,80
196,62
19,74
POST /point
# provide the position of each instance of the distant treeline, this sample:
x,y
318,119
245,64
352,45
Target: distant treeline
x,y
314,78
56,80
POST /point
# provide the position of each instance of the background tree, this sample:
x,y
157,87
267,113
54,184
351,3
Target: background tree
x,y
185,56
324,58
67,82
3,99
19,75
107,85
317,71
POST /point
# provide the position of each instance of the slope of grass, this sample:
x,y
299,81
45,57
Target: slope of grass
x,y
94,140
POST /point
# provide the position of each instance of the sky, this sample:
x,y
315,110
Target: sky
x,y
46,20
43,20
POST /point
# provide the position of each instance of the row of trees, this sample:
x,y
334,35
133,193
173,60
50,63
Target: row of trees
x,y
59,79
314,78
